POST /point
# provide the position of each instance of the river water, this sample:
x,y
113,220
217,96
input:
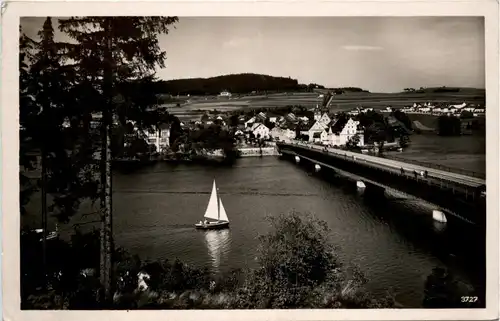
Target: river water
x,y
395,243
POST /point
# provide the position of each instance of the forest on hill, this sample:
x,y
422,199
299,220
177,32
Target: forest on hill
x,y
234,83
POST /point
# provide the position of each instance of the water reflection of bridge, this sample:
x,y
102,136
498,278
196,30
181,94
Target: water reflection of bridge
x,y
455,193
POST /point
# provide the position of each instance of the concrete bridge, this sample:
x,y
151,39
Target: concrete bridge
x,y
453,194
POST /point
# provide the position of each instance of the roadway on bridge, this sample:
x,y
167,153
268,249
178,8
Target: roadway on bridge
x,y
396,166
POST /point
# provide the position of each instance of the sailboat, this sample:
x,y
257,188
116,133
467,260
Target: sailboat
x,y
215,214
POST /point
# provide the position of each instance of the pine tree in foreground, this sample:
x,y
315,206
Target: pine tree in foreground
x,y
115,60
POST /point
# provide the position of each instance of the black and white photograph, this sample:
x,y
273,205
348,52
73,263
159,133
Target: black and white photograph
x,y
187,162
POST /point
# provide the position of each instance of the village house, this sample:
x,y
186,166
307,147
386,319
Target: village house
x,y
453,111
241,119
281,121
282,133
291,117
250,122
424,109
204,118
261,117
320,137
460,106
225,93
323,119
322,122
317,127
273,118
342,131
303,119
158,137
260,130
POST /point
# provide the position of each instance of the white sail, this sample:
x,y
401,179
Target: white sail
x,y
212,211
223,215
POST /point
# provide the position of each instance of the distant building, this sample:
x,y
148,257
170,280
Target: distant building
x,y
282,133
250,122
242,119
96,120
205,117
303,119
273,118
460,106
290,117
261,117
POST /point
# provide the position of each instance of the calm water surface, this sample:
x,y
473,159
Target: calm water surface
x,y
396,244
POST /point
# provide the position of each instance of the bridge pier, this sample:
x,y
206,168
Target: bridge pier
x,y
360,187
370,190
439,216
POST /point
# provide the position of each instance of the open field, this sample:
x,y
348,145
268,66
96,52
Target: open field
x,y
193,107
381,100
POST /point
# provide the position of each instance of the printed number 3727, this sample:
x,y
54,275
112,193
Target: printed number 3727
x,y
468,299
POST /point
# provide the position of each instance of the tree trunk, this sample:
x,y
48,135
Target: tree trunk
x,y
106,201
44,215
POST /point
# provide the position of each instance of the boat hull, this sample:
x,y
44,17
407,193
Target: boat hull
x,y
212,226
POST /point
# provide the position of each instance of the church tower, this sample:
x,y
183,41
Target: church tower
x,y
317,113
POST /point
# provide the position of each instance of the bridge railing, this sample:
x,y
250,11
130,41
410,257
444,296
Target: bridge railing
x,y
425,164
465,192
437,166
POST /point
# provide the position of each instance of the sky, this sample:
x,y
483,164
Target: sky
x,y
380,54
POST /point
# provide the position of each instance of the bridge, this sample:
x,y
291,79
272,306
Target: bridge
x,y
456,194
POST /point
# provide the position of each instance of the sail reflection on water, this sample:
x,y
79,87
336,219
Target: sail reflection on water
x,y
218,244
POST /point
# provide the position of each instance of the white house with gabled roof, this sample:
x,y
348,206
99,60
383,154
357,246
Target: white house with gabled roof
x,y
260,130
341,132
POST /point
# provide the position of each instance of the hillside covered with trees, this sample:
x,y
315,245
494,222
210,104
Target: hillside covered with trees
x,y
235,83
